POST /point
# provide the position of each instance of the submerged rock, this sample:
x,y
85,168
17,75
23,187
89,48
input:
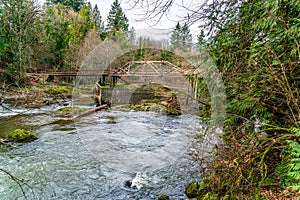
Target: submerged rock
x,y
20,135
164,197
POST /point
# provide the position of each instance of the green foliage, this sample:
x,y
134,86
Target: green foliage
x,y
139,54
116,20
253,52
20,135
289,169
18,21
62,33
201,191
50,37
191,190
120,38
166,55
3,40
255,45
11,73
74,4
55,34
97,23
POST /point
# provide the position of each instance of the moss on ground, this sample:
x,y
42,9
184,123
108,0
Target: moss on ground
x,y
71,108
57,91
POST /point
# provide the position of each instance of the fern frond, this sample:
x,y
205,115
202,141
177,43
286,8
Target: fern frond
x,y
296,131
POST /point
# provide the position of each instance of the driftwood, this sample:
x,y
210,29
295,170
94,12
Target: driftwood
x,y
4,141
91,111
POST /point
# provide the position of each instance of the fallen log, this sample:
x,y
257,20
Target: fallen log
x,y
91,111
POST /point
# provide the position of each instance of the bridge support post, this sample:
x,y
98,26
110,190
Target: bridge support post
x,y
103,79
50,78
113,81
98,94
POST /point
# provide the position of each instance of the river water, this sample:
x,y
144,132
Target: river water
x,y
109,155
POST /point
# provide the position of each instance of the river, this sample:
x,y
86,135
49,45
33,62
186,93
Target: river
x,y
109,155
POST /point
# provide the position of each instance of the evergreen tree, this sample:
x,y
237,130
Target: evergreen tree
x,y
97,23
3,42
18,21
176,37
187,39
116,20
181,37
86,14
63,32
75,4
201,40
131,37
55,34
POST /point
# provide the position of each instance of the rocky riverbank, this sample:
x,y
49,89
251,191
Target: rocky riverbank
x,y
35,96
38,93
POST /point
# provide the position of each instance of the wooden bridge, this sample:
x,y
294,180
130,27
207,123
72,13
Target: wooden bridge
x,y
125,70
139,72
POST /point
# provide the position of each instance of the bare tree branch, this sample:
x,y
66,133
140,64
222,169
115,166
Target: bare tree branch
x,y
153,10
209,15
18,181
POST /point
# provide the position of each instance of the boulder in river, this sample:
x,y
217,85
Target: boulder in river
x,y
20,135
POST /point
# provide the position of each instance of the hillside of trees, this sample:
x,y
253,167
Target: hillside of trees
x,y
56,36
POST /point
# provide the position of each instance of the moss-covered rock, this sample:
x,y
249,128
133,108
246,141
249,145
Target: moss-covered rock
x,y
200,190
20,135
164,197
69,111
157,108
140,107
